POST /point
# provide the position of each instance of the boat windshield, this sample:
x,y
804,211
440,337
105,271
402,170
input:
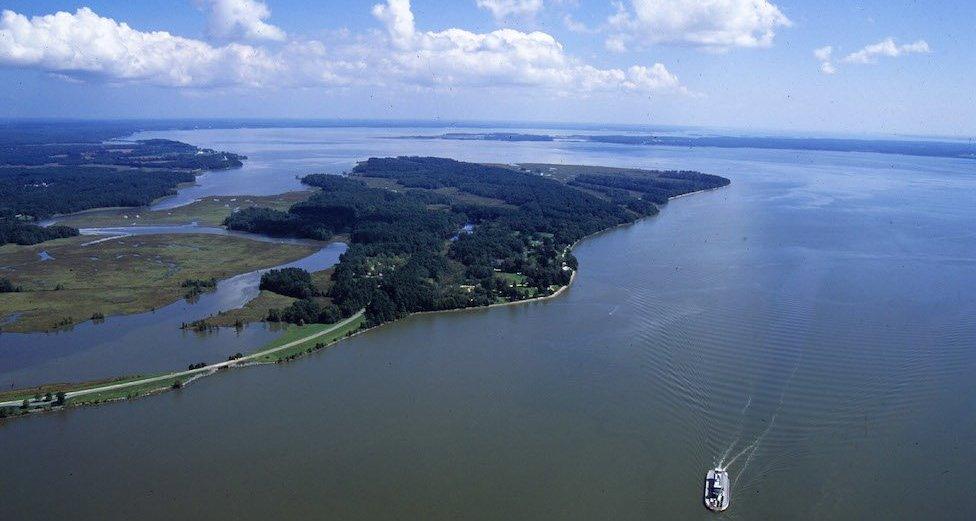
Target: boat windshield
x,y
714,489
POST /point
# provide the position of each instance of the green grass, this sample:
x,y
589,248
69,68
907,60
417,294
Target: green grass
x,y
295,332
210,211
120,276
127,392
29,393
511,278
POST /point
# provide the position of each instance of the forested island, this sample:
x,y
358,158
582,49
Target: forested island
x,y
432,234
38,180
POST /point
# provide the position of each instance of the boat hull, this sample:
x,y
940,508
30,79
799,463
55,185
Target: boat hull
x,y
718,492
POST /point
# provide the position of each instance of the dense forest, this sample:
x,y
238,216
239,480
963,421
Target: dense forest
x,y
417,248
291,282
44,191
38,180
18,232
657,189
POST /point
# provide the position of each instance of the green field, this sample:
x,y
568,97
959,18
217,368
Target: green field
x,y
210,211
122,275
511,278
296,332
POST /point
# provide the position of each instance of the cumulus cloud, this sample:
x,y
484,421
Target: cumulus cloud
x,y
86,46
504,57
504,9
886,48
825,56
716,25
869,54
84,43
240,19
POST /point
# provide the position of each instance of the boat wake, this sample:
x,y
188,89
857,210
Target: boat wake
x,y
752,448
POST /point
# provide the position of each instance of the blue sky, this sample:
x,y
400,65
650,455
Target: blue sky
x,y
755,65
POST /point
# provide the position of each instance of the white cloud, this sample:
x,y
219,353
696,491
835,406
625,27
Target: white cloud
x,y
615,44
824,53
886,48
575,26
825,56
240,19
84,43
869,54
505,57
398,18
715,25
85,46
504,9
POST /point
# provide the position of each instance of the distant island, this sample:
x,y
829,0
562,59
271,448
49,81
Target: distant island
x,y
954,149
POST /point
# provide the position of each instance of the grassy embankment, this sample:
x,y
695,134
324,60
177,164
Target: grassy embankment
x,y
297,332
54,388
119,276
210,211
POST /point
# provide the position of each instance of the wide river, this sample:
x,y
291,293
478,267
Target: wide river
x,y
810,325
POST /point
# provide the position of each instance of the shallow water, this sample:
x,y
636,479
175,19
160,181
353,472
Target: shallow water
x,y
816,314
144,343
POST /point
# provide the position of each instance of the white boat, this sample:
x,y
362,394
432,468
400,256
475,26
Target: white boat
x,y
718,493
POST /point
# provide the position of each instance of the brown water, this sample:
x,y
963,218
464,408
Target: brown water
x,y
815,316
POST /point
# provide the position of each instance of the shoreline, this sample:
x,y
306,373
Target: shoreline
x,y
190,375
572,278
253,358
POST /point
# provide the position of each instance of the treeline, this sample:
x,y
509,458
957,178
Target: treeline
x,y
150,153
657,189
196,287
291,282
8,287
311,306
39,180
544,205
17,232
44,191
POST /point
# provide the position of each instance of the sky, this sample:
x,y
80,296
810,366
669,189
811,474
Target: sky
x,y
869,67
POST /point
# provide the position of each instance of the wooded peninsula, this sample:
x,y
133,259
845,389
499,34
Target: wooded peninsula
x,y
430,234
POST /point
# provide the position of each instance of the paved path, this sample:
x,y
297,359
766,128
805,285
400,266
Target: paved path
x,y
194,372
